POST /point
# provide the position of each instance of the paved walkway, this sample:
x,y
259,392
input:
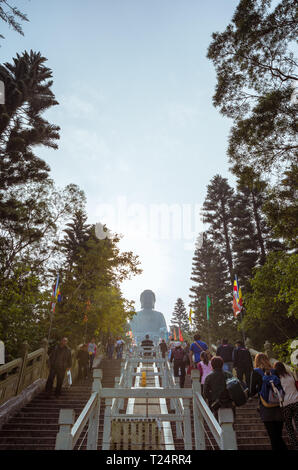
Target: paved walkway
x,y
151,406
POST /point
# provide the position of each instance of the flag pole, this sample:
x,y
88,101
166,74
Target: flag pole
x,y
242,329
50,328
208,320
53,304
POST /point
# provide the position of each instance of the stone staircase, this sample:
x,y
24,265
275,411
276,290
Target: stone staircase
x,y
111,368
35,426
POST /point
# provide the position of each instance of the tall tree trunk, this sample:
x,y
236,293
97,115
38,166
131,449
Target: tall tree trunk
x,y
259,231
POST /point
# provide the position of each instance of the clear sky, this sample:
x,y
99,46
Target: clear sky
x,y
138,127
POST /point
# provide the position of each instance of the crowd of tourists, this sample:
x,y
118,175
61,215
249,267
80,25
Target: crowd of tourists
x,y
275,387
60,362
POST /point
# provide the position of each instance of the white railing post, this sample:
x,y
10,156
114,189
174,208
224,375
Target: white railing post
x,y
177,407
107,424
228,437
64,438
197,416
119,402
94,418
187,425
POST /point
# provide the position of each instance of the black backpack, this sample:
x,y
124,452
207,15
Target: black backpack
x,y
236,391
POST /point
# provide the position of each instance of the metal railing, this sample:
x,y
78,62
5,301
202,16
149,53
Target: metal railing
x,y
180,400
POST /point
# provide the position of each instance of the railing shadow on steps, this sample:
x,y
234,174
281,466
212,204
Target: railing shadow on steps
x,y
222,431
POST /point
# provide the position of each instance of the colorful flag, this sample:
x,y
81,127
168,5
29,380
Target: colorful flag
x,y
190,314
237,298
59,297
180,335
56,294
175,337
208,304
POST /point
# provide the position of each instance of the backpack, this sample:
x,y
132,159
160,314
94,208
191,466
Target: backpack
x,y
178,354
236,391
272,394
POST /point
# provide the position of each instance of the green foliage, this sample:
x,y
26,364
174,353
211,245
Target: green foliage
x,y
94,272
255,69
11,15
22,310
281,208
283,351
218,212
210,277
180,316
271,306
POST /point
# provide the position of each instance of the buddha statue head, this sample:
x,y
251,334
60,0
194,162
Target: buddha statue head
x,y
147,299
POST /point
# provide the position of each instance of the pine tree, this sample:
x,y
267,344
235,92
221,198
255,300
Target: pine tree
x,y
218,212
76,235
94,273
252,236
256,69
210,277
28,95
11,15
180,318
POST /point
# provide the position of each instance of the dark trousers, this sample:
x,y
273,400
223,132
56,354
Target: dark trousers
x,y
55,372
83,371
244,371
274,430
289,412
110,352
179,371
91,359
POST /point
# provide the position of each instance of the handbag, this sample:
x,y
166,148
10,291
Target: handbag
x,y
69,378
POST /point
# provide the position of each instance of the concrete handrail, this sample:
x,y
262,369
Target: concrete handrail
x,y
70,431
83,418
29,368
222,431
209,418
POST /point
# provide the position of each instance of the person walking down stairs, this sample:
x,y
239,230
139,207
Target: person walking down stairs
x,y
178,356
92,351
83,362
59,363
163,348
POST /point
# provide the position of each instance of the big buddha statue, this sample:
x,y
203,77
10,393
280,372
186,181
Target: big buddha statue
x,y
148,321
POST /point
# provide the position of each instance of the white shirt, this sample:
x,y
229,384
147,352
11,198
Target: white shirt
x,y
291,393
